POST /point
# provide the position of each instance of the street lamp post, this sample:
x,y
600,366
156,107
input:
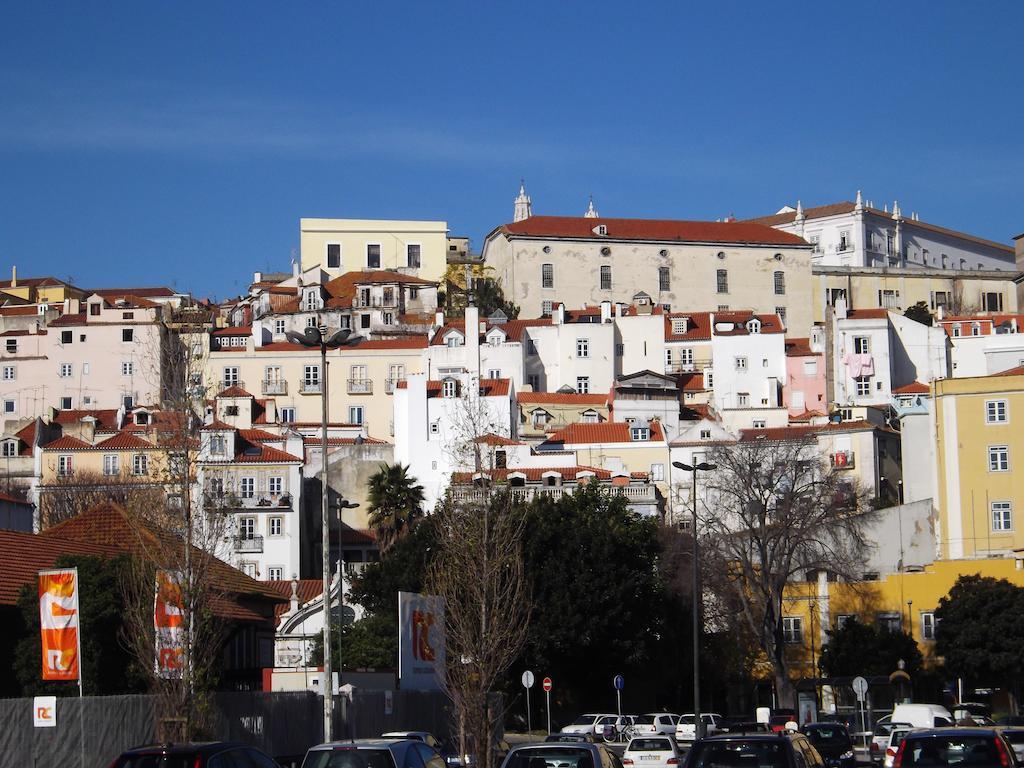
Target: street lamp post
x,y
698,724
343,504
314,337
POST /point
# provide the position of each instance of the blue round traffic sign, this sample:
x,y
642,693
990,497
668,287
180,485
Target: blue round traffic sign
x,y
619,682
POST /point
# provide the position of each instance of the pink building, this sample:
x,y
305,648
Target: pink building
x,y
804,392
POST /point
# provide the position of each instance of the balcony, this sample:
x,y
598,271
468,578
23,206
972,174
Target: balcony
x,y
353,569
374,302
390,384
310,387
275,387
225,383
695,367
360,386
635,494
253,543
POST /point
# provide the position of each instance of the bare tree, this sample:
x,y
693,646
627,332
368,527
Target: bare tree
x,y
478,569
70,495
777,511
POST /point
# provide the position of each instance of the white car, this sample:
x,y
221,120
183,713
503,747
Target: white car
x,y
587,724
686,729
895,737
660,723
651,752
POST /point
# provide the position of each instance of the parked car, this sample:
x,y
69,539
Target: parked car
x,y
555,755
768,750
663,723
895,738
449,751
922,715
833,743
779,718
587,724
651,752
880,737
745,726
219,754
373,753
570,738
941,747
686,727
1015,736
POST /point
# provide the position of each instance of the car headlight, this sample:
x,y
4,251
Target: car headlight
x,y
846,755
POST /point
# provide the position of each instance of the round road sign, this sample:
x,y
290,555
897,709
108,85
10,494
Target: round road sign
x,y
527,679
619,682
547,683
860,687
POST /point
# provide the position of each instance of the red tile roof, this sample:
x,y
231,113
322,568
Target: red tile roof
x,y
216,426
740,318
799,347
816,212
492,439
697,329
258,435
25,554
536,474
67,443
314,440
1015,371
30,309
27,436
804,432
157,291
406,342
604,432
235,330
914,388
691,382
580,228
234,391
561,398
123,441
266,455
306,590
75,319
877,313
105,419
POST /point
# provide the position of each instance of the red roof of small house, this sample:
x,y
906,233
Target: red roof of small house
x,y
258,453
914,388
236,330
664,230
216,426
105,419
306,590
314,440
492,439
25,554
804,432
697,329
30,309
799,347
691,382
67,443
1015,371
537,474
124,441
876,313
27,436
234,391
740,318
160,291
258,435
562,398
603,432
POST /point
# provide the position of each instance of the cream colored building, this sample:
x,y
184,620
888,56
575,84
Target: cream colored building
x,y
337,246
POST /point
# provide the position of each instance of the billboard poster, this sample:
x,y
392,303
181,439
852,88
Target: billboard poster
x,y
421,651
58,623
169,634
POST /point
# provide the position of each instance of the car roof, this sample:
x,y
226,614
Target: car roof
x,y
927,733
749,737
365,744
192,747
551,744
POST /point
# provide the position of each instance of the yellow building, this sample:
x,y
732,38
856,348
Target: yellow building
x,y
977,443
37,290
337,246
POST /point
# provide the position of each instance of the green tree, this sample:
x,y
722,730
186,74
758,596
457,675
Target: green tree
x,y
400,569
979,626
920,313
489,297
108,667
370,643
396,503
862,649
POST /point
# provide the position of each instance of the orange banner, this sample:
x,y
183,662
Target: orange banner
x,y
167,623
58,623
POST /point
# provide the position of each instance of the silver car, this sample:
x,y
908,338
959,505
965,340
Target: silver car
x,y
373,753
560,755
661,723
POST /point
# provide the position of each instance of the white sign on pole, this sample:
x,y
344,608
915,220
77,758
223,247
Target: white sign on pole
x,y
860,687
44,711
421,649
527,679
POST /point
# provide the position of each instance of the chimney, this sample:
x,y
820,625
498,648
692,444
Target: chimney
x,y
472,326
606,311
618,309
559,317
940,312
439,319
257,277
840,308
14,276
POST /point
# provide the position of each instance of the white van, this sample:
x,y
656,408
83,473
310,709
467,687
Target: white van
x,y
922,715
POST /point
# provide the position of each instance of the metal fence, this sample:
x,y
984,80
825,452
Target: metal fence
x,y
91,732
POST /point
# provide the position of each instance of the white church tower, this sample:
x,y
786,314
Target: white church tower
x,y
591,211
523,207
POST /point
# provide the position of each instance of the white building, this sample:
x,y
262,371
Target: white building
x,y
984,344
574,350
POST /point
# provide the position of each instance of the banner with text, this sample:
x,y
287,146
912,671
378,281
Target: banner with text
x,y
58,623
421,651
168,613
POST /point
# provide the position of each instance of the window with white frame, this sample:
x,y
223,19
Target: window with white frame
x,y
249,569
10,406
140,464
65,465
288,415
127,368
582,347
275,526
275,573
9,373
741,363
247,527
454,340
373,255
815,241
686,356
275,485
65,370
412,255
742,399
862,345
863,384
781,312
844,240
792,630
218,445
606,277
927,625
494,373
311,375
312,300
889,299
449,388
583,385
547,275
995,412
998,458
640,433
279,327
956,330
334,255
65,403
591,417
1002,516
247,487
355,414
779,281
657,472
975,329
230,375
810,367
11,345
435,428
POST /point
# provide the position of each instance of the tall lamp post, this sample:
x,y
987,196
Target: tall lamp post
x,y
343,504
698,723
314,337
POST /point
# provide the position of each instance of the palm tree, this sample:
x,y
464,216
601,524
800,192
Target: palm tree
x,y
395,504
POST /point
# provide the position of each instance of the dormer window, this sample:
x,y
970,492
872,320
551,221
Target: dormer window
x,y
218,445
601,230
312,301
449,388
680,325
95,308
495,338
640,433
454,339
754,326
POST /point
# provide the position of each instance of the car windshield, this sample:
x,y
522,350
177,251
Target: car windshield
x,y
824,734
686,720
550,757
644,720
156,761
649,745
740,754
346,757
956,749
585,720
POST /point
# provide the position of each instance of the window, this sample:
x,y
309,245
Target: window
x,y
9,373
230,375
246,526
412,255
657,472
889,622
889,299
94,309
435,428
754,326
591,417
127,368
606,277
742,399
781,312
583,384
620,350
10,406
355,414
311,376
128,334
547,275
582,347
862,345
275,573
275,526
941,299
449,388
533,380
248,487
140,464
863,384
815,241
664,279
334,255
249,569
65,403
64,465
780,283
65,371
956,330
792,629
927,625
311,303
110,464
547,307
810,367
722,279
844,241
998,458
890,244
995,412
275,485
66,337
843,619
759,424
640,433
975,329
12,345
741,363
373,255
494,373
1002,516
279,326
992,301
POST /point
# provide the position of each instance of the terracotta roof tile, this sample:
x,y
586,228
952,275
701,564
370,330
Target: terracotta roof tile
x,y
264,455
697,329
106,419
124,441
817,212
258,435
216,426
1015,371
146,293
27,553
876,313
314,441
561,398
306,590
604,432
492,439
234,391
799,347
914,388
235,330
67,443
740,318
537,474
804,432
580,228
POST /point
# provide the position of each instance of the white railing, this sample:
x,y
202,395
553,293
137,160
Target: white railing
x,y
249,543
275,387
310,387
636,494
360,386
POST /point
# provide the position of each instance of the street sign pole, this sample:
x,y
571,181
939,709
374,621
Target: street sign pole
x,y
547,700
618,683
528,684
860,687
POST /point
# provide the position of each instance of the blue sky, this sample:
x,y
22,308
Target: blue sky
x,y
180,143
